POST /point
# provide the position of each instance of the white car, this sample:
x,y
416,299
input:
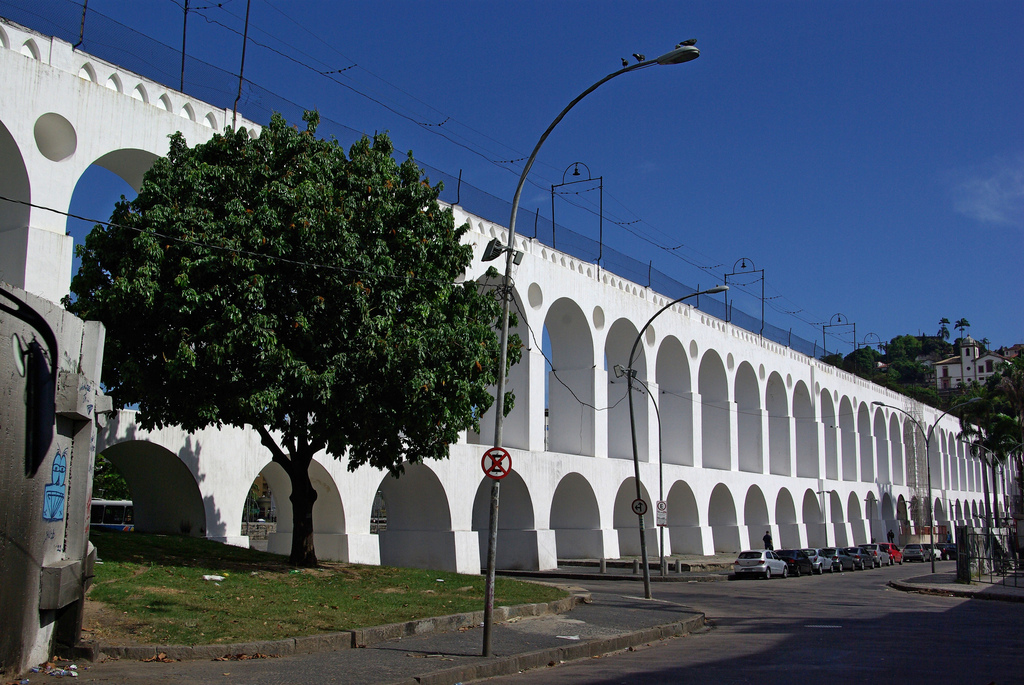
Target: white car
x,y
761,562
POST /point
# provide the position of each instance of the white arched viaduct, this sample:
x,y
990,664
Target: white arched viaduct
x,y
752,436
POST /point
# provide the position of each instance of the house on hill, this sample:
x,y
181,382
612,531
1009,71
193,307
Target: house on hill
x,y
971,365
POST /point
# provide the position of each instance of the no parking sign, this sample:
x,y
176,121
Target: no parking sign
x,y
661,513
496,463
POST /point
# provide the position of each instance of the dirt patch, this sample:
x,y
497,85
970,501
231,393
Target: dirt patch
x,y
108,626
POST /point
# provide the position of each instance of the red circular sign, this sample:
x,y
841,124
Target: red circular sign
x,y
497,463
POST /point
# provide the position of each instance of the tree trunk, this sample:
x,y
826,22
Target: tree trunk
x,y
296,465
302,498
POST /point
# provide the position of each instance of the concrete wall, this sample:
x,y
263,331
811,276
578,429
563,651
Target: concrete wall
x,y
44,514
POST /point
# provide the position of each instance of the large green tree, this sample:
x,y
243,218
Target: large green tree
x,y
277,283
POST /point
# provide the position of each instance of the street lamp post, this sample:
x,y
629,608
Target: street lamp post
x,y
619,373
683,52
824,507
630,376
928,458
867,513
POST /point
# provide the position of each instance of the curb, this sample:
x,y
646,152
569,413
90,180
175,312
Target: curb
x,y
310,644
950,592
549,657
692,577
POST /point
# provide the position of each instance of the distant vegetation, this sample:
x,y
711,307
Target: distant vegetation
x,y
899,365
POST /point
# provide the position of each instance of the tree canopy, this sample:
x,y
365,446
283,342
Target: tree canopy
x,y
276,283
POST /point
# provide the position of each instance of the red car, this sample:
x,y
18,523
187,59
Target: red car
x,y
894,552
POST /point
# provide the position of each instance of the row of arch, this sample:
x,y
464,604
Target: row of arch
x,y
94,72
727,414
419,513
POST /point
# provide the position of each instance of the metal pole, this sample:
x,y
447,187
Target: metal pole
x,y
639,496
931,503
677,56
824,506
928,457
600,220
492,549
661,482
630,372
184,31
81,29
241,69
661,491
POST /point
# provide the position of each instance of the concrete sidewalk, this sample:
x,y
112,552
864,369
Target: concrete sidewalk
x,y
945,583
440,651
678,569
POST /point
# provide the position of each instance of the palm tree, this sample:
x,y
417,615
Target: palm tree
x,y
961,325
1011,386
944,328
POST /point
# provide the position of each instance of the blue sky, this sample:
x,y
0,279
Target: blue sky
x,y
869,156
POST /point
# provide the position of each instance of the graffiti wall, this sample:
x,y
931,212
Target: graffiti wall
x,y
49,380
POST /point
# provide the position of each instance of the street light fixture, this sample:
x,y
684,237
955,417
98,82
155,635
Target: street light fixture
x,y
630,376
683,52
928,459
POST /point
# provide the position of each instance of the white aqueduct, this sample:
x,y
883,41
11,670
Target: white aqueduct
x,y
753,435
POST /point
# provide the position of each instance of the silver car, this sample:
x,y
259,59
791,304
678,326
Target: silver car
x,y
881,556
917,552
818,562
840,560
759,562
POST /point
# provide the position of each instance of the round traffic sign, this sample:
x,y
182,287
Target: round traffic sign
x,y
662,505
639,507
496,463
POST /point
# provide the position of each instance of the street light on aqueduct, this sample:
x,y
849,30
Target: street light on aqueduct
x,y
928,461
630,374
683,52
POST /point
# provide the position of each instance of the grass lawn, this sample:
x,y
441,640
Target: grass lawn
x,y
150,589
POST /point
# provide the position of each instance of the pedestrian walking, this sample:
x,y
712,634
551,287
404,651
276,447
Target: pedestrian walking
x,y
768,540
890,536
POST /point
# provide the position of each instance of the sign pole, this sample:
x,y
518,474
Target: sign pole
x,y
496,463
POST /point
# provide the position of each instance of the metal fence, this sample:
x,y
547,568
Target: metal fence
x,y
108,39
989,556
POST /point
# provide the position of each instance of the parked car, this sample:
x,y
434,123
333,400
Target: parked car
x,y
917,552
759,562
881,556
839,559
796,560
818,562
860,557
948,551
895,555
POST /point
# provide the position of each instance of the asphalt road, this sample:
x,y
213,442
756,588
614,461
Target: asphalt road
x,y
822,629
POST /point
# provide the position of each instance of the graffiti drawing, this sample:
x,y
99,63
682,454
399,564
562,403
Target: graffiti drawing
x,y
53,493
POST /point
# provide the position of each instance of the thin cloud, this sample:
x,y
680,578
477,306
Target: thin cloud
x,y
994,195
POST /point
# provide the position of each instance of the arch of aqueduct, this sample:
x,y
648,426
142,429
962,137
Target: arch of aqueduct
x,y
752,435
